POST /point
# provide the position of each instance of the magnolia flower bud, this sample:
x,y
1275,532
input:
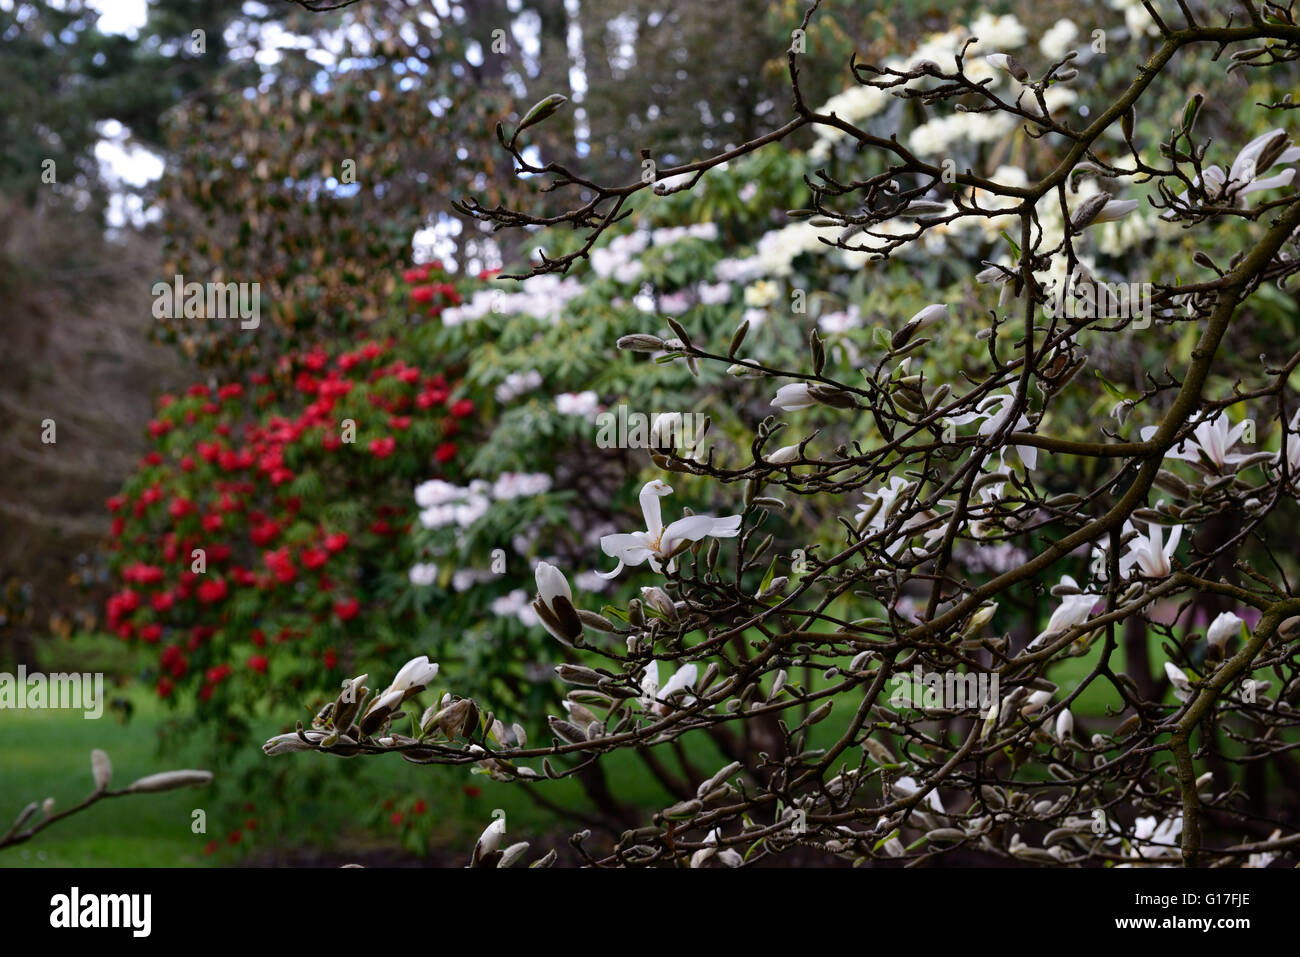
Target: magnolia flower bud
x,y
1222,628
784,455
1088,210
1009,64
450,720
1182,686
659,600
554,604
578,675
380,710
922,320
169,781
1035,702
639,342
566,731
414,676
101,768
490,839
286,743
539,111
581,715
792,397
512,854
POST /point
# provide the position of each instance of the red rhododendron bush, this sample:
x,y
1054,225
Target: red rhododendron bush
x,y
265,534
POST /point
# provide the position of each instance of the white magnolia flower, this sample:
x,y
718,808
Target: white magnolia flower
x,y
1212,441
792,397
1148,830
554,604
1243,177
992,421
1177,678
1291,446
490,839
655,698
1064,725
416,673
888,494
658,544
286,743
727,856
1151,553
784,455
1222,628
1115,210
1070,613
1008,64
907,786
1035,702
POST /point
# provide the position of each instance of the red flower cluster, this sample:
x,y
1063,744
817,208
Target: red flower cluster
x,y
267,507
427,291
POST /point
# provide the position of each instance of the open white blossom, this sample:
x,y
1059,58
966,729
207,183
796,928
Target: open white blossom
x,y
658,544
1073,611
656,699
992,413
1210,441
1151,553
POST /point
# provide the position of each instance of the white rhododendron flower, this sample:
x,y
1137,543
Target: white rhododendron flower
x,y
1056,41
423,573
582,404
658,544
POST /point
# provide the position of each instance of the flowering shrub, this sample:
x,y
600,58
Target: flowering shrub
x,y
952,669
265,535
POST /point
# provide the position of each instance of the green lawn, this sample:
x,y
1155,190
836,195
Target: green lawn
x,y
304,800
